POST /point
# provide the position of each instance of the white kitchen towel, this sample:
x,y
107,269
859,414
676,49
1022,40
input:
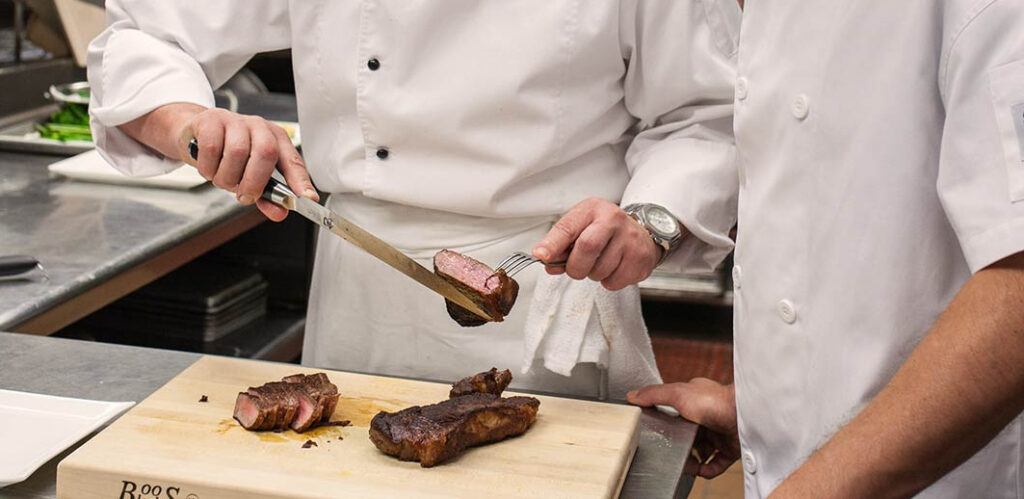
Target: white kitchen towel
x,y
572,322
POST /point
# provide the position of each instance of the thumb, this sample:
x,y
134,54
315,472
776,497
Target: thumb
x,y
665,394
702,401
563,234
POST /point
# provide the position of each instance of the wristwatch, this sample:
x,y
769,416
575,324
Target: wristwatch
x,y
660,224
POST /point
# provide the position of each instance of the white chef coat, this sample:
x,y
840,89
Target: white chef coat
x,y
509,112
880,165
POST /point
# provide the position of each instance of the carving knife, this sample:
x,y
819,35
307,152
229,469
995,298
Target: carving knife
x,y
279,193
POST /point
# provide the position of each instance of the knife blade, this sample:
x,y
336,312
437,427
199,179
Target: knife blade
x,y
279,193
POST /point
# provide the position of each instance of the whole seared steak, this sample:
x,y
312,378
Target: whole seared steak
x,y
494,291
434,433
299,402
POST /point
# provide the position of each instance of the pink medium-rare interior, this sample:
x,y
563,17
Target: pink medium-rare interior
x,y
467,270
246,410
305,414
493,282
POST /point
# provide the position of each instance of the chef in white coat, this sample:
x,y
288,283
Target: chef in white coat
x,y
879,277
468,125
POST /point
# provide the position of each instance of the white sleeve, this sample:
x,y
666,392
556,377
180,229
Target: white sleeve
x,y
154,53
981,163
679,83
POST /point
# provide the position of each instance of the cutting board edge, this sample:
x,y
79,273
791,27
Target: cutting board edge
x,y
628,461
94,482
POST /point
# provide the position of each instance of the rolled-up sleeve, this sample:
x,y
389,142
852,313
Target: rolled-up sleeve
x,y
679,84
157,53
981,166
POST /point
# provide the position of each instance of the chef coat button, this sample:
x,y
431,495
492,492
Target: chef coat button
x,y
373,64
737,272
801,107
787,311
749,463
382,153
741,88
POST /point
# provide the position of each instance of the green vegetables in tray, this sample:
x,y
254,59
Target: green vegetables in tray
x,y
71,122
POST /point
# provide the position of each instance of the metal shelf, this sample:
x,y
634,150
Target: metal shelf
x,y
713,288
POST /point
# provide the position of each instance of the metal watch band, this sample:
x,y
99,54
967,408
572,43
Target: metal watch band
x,y
667,244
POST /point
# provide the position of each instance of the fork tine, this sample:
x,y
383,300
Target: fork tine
x,y
513,260
516,261
523,263
504,263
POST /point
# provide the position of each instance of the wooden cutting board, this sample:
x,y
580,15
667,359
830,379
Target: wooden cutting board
x,y
171,446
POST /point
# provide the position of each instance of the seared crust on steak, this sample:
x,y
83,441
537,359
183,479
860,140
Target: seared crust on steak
x,y
435,433
493,382
493,291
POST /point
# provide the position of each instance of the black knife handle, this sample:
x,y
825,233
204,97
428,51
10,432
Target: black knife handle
x,y
16,265
193,150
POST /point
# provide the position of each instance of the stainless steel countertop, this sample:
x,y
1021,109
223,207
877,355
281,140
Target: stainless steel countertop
x,y
100,371
84,233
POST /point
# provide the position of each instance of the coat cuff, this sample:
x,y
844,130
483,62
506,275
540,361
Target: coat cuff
x,y
696,181
155,74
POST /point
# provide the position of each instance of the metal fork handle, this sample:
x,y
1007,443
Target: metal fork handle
x,y
552,264
518,261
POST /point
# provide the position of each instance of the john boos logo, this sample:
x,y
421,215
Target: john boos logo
x,y
132,490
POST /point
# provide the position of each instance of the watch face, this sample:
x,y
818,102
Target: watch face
x,y
662,221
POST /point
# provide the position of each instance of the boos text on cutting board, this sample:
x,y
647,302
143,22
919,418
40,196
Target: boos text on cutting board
x,y
132,490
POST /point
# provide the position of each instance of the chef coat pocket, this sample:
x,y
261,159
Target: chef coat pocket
x,y
1007,85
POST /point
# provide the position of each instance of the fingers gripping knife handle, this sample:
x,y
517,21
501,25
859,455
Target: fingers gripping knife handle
x,y
276,191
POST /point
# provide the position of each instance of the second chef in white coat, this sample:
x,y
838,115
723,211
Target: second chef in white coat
x,y
879,278
468,125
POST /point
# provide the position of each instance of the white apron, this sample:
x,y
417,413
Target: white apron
x,y
365,316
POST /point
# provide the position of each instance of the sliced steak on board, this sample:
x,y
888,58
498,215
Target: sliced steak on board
x,y
321,388
494,291
299,402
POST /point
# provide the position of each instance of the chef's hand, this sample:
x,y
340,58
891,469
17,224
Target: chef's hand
x,y
238,153
601,242
713,407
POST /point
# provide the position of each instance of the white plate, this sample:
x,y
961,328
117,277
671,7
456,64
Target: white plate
x,y
91,167
34,428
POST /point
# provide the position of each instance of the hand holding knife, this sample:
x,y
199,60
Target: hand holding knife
x,y
279,193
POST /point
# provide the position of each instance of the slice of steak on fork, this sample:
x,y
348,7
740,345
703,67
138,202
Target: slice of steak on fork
x,y
494,291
